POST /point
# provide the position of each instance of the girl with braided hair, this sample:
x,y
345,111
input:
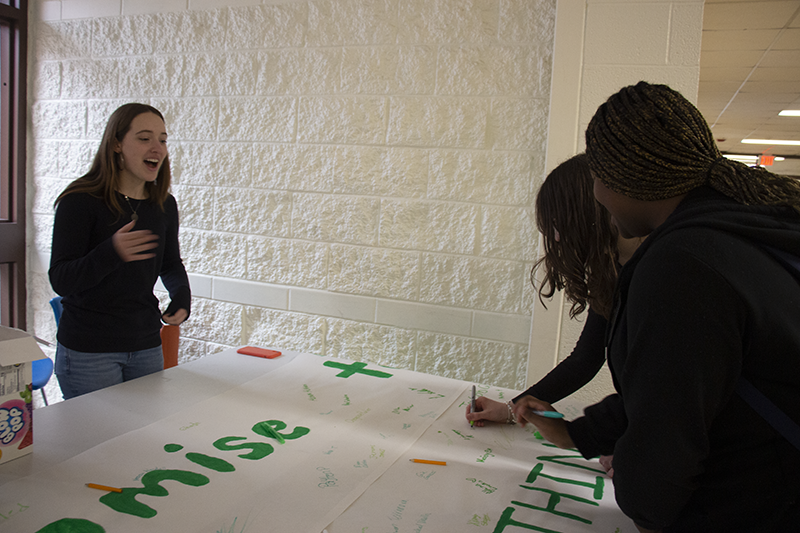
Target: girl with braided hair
x,y
706,304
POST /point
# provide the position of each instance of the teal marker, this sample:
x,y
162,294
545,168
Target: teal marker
x,y
548,414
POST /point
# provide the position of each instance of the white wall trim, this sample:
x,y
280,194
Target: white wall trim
x,y
562,143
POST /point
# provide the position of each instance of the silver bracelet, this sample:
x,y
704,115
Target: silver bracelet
x,y
512,419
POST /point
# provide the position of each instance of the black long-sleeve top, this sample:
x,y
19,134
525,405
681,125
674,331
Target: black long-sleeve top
x,y
578,368
108,304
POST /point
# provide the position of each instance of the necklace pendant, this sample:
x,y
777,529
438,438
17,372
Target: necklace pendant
x,y
134,217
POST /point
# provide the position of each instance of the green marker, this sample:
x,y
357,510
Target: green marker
x,y
274,434
472,406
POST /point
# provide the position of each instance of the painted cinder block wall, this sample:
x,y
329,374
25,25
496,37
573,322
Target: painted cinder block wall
x,y
600,46
354,177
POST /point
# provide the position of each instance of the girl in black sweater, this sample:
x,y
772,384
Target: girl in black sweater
x,y
115,234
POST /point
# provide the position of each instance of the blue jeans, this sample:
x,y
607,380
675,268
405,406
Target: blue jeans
x,y
82,372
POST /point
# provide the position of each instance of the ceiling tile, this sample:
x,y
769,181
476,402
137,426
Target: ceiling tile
x,y
734,40
789,39
748,15
788,59
723,58
727,74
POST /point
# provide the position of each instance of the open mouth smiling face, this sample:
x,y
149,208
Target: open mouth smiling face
x,y
143,150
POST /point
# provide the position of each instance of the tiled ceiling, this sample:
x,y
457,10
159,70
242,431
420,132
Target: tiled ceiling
x,y
749,72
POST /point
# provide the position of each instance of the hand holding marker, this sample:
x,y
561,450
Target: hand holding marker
x,y
548,414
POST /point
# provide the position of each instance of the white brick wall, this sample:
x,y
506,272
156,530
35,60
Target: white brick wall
x,y
355,177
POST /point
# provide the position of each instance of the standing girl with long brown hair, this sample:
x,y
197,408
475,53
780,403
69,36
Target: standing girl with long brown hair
x,y
115,234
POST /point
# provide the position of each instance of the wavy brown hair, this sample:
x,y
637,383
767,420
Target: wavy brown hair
x,y
102,180
583,260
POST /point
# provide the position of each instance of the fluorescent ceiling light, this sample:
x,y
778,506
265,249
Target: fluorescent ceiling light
x,y
771,141
747,158
790,113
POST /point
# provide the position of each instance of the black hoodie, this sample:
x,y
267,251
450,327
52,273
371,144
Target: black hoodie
x,y
700,304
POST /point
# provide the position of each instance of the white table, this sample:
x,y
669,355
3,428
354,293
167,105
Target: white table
x,y
65,429
350,469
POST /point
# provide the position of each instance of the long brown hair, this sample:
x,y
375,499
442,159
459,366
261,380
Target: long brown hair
x,y
583,260
102,180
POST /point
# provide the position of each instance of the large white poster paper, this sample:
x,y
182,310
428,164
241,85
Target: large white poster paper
x,y
288,451
498,479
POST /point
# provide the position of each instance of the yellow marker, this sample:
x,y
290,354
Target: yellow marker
x,y
426,462
103,487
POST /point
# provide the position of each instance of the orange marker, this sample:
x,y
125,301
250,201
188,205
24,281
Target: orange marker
x,y
426,462
103,487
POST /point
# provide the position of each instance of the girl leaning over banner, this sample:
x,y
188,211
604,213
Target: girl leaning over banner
x,y
583,252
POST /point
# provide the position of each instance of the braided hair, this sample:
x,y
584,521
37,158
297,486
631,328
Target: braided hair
x,y
648,142
580,241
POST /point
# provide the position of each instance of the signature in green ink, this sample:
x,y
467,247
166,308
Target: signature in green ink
x,y
7,514
449,440
327,479
359,415
485,487
479,520
433,395
486,454
421,522
230,529
307,390
465,437
398,513
377,453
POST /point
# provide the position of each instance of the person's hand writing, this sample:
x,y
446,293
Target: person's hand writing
x,y
552,429
487,410
175,318
133,245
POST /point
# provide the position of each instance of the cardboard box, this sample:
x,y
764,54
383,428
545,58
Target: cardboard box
x,y
17,351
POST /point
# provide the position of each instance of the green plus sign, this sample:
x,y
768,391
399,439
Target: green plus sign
x,y
355,368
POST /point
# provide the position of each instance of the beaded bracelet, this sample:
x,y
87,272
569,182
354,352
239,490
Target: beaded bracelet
x,y
512,419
